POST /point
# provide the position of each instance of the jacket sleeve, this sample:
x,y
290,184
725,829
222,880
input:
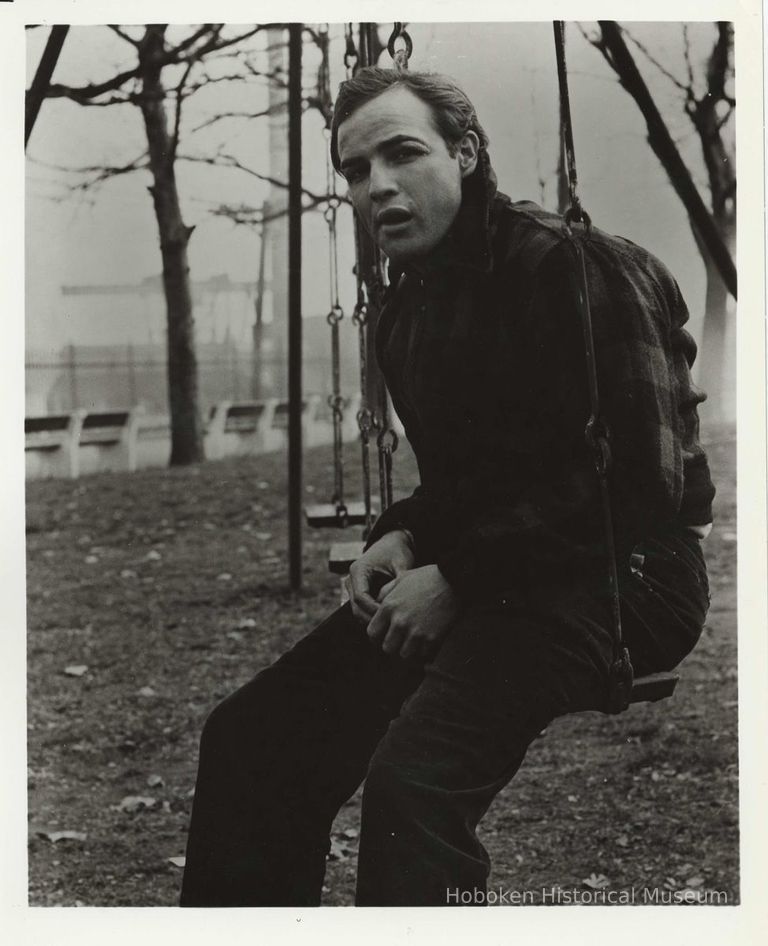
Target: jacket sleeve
x,y
545,523
417,514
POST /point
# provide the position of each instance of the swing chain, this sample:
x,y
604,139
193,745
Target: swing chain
x,y
336,314
575,212
351,56
400,52
365,421
597,431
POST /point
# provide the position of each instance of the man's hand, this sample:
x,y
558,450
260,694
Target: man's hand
x,y
384,561
416,610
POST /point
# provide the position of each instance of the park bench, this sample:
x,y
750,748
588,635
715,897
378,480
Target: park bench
x,y
51,445
153,441
242,428
108,441
315,430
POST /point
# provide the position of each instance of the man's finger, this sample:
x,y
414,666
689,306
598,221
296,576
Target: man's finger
x,y
411,647
363,604
378,625
394,639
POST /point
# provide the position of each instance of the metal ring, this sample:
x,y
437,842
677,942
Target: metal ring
x,y
365,419
335,315
577,214
387,440
399,32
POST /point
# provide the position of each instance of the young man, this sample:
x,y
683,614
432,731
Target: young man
x,y
479,611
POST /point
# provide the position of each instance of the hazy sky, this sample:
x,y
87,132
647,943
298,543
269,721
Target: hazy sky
x,y
508,69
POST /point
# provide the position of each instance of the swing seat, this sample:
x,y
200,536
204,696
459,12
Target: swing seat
x,y
326,515
655,686
647,689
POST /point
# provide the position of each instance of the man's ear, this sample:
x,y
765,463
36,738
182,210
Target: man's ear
x,y
469,147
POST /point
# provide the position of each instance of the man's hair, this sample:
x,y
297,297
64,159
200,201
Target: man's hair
x,y
453,112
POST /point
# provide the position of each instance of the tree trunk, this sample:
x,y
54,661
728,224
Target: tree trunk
x,y
186,427
716,371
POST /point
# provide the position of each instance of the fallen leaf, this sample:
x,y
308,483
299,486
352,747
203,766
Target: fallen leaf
x,y
596,881
127,573
56,836
155,781
573,798
235,636
246,623
263,536
91,559
622,840
179,861
694,882
224,576
153,556
338,852
136,803
75,670
147,691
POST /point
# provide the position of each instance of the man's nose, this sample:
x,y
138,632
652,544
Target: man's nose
x,y
383,181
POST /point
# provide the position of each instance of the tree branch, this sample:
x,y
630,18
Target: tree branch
x,y
177,117
101,172
224,115
230,161
83,94
664,148
213,44
189,41
687,89
118,31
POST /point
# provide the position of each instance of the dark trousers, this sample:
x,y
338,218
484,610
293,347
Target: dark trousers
x,y
434,743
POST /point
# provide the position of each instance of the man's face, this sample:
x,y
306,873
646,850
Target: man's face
x,y
403,181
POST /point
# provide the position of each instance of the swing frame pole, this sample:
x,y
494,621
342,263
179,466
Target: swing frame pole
x,y
295,400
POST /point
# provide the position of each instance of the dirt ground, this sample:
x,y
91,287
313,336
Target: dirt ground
x,y
152,595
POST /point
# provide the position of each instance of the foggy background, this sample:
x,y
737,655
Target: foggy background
x,y
107,235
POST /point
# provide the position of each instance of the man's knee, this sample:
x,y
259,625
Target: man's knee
x,y
239,712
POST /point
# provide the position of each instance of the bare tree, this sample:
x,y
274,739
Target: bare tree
x,y
708,102
144,86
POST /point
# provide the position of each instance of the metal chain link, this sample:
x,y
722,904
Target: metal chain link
x,y
400,51
336,313
351,56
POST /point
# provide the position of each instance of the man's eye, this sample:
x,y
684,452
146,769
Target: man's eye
x,y
404,153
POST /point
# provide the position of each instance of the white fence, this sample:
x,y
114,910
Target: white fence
x,y
82,442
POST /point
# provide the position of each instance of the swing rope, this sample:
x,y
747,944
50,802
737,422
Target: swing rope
x,y
597,432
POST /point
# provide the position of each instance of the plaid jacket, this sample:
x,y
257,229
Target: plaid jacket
x,y
483,354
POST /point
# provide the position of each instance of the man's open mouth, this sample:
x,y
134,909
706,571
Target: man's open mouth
x,y
392,217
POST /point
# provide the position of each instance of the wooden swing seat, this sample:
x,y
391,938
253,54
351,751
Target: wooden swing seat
x,y
326,515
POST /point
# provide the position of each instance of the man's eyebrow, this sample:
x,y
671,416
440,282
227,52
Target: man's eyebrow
x,y
384,145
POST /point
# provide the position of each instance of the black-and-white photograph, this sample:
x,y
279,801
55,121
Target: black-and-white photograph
x,y
380,462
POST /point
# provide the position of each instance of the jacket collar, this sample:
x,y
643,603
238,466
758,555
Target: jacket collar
x,y
468,244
